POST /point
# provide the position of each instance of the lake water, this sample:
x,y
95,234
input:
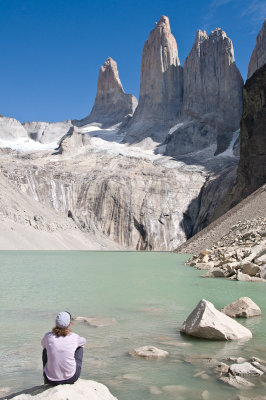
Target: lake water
x,y
148,294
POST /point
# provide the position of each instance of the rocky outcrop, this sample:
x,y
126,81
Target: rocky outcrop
x,y
47,132
243,307
258,57
149,352
239,255
112,105
138,202
26,224
212,103
161,87
251,173
230,370
208,323
11,130
245,368
80,390
240,227
72,142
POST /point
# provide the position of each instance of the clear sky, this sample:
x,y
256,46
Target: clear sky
x,y
51,50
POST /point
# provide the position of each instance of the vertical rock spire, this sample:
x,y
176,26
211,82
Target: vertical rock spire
x,y
212,102
258,57
112,105
160,86
212,82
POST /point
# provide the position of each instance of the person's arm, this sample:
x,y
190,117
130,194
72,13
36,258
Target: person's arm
x,y
43,342
81,341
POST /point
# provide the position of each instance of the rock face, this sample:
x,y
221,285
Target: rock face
x,y
80,390
161,87
251,173
208,323
11,129
258,57
47,132
136,202
212,103
26,224
72,142
243,307
252,165
112,105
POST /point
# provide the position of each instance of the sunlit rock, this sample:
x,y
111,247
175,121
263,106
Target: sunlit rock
x,y
208,323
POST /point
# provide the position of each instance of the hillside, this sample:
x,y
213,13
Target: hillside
x,y
248,213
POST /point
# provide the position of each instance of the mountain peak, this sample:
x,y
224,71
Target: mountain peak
x,y
111,104
258,57
109,77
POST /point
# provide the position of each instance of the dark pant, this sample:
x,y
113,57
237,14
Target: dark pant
x,y
78,357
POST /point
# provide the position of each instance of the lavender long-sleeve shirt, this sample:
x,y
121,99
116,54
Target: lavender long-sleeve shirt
x,y
61,364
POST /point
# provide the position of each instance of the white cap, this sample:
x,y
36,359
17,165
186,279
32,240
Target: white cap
x,y
63,319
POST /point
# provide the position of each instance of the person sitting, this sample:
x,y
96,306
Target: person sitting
x,y
62,352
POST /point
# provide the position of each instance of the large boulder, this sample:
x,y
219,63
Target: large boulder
x,y
243,307
81,390
149,352
245,369
208,323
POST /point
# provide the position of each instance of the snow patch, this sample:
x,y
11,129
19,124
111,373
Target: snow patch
x,y
175,127
27,144
229,151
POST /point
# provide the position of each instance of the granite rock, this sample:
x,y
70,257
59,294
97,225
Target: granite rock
x,y
161,87
243,307
245,368
212,103
11,129
208,323
112,105
47,132
80,390
149,352
258,57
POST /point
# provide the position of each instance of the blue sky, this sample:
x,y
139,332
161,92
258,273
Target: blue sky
x,y
51,50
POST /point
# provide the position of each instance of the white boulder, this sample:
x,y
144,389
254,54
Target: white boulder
x,y
207,322
245,369
149,352
81,390
236,381
243,307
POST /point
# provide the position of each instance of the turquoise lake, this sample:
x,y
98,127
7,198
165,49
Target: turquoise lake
x,y
149,294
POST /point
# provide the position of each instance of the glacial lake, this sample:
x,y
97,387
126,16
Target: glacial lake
x,y
148,294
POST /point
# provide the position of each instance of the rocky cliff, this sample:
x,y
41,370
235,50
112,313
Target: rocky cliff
x,y
47,132
11,129
112,105
258,57
251,173
161,87
139,201
212,103
27,224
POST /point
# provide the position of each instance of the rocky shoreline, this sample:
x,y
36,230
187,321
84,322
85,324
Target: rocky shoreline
x,y
238,255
